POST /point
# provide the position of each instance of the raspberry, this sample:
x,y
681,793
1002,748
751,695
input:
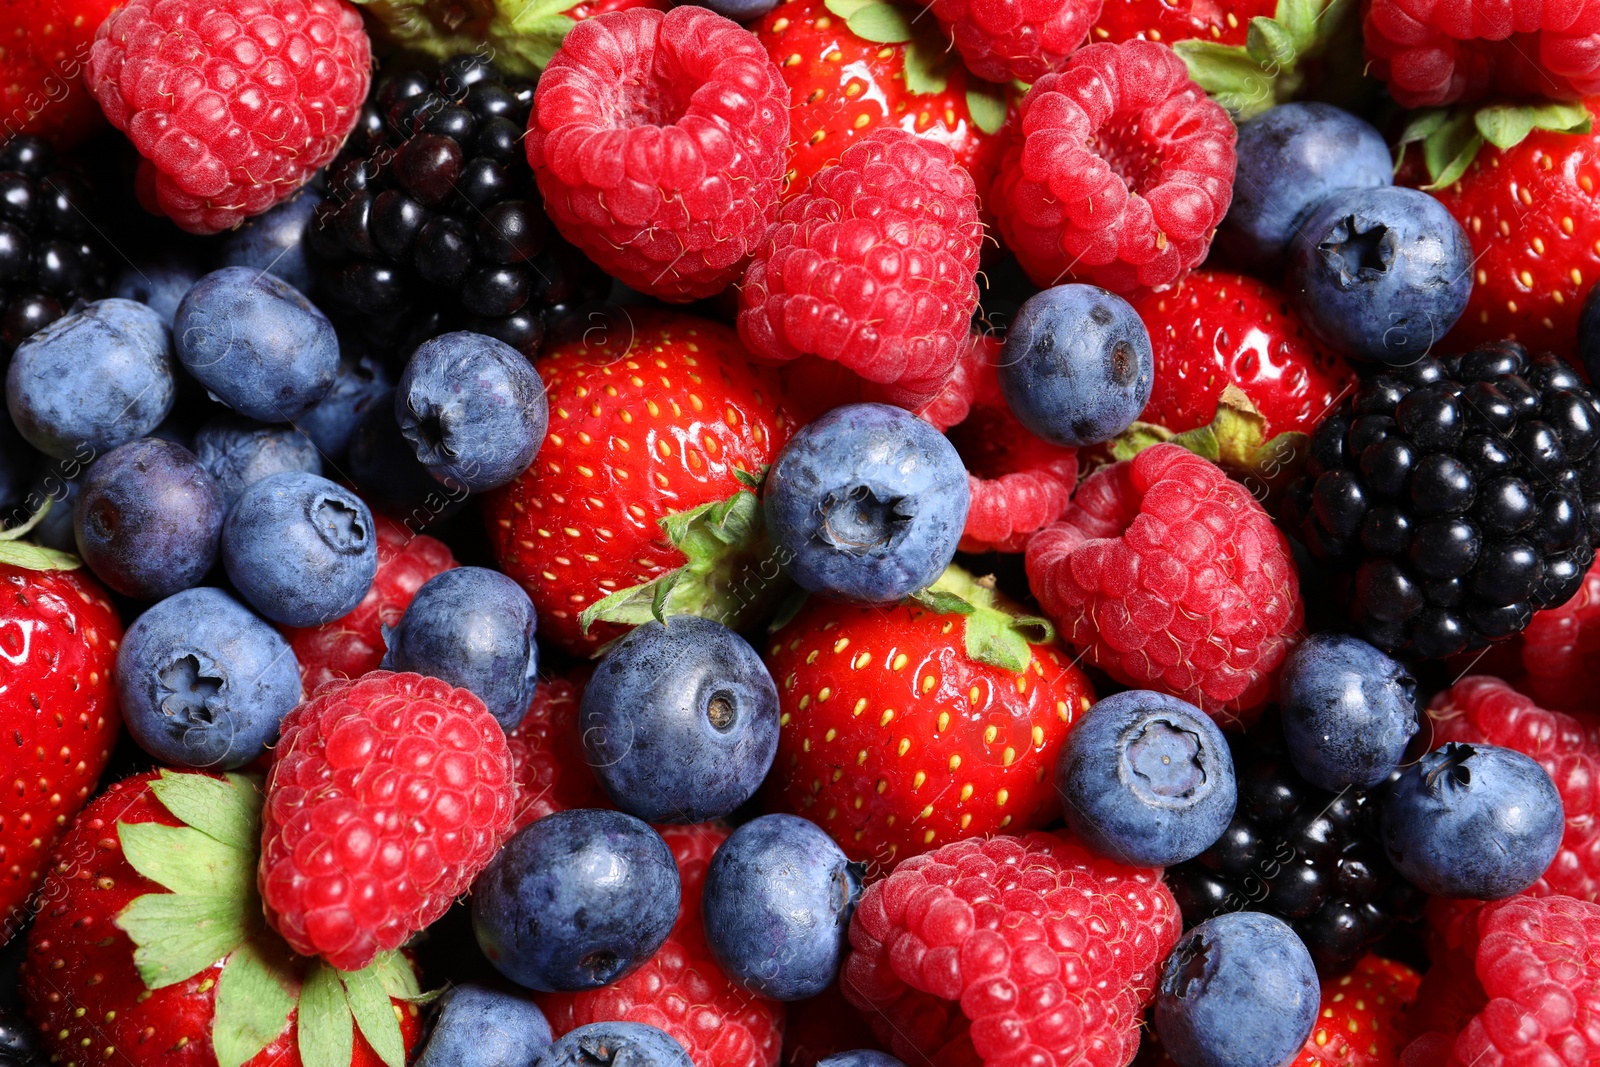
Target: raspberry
x,y
1123,170
1010,951
1434,53
822,1026
1523,989
547,759
873,266
387,795
659,142
351,646
1171,575
681,990
1024,40
1561,650
233,104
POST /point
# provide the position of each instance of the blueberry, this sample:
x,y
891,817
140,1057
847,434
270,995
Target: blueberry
x,y
1239,990
473,409
1146,779
300,549
331,423
472,627
239,452
1381,274
204,682
158,281
256,344
148,519
1077,367
576,900
866,504
1292,158
18,463
91,381
474,1026
777,904
680,721
860,1057
737,10
616,1045
1474,821
385,469
275,241
58,488
1348,712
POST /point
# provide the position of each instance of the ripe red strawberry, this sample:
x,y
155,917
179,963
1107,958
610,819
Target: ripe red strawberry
x,y
387,795
1363,1018
904,729
41,69
1528,210
1171,576
898,72
1022,40
830,278
229,121
353,645
120,971
1122,171
58,702
1010,950
681,990
1225,22
654,422
547,760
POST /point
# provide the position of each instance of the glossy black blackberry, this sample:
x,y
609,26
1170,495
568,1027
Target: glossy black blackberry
x,y
1456,497
1311,857
50,253
432,221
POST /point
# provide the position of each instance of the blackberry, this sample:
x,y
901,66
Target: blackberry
x,y
1311,857
1455,497
50,253
432,221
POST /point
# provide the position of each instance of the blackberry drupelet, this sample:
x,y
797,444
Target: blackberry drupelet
x,y
50,253
1455,497
1311,857
432,220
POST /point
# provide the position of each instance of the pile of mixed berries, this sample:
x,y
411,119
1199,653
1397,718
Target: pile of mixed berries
x,y
779,533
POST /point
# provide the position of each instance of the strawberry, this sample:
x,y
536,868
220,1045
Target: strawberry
x,y
640,501
855,65
1521,181
1226,22
58,654
151,949
904,728
41,69
1363,1018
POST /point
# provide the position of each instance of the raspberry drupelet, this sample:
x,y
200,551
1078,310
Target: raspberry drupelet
x,y
1002,40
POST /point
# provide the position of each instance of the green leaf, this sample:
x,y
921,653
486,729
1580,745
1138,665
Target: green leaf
x,y
541,37
988,108
34,558
325,1035
1202,441
23,529
369,1003
177,936
880,23
226,810
187,861
1229,75
943,601
399,978
1300,20
748,479
994,633
1423,124
253,1003
1449,150
991,639
1269,42
1506,125
845,8
788,608
1138,437
927,68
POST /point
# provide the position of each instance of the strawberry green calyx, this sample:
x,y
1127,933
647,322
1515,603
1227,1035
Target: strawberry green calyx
x,y
1451,138
1235,439
211,911
1270,67
731,572
30,557
520,37
995,632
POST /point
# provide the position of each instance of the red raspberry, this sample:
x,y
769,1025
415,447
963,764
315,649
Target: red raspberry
x,y
822,1026
350,647
1437,53
547,759
1010,951
1172,576
1523,990
659,141
1560,650
387,795
873,266
232,103
681,990
1123,170
1024,40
